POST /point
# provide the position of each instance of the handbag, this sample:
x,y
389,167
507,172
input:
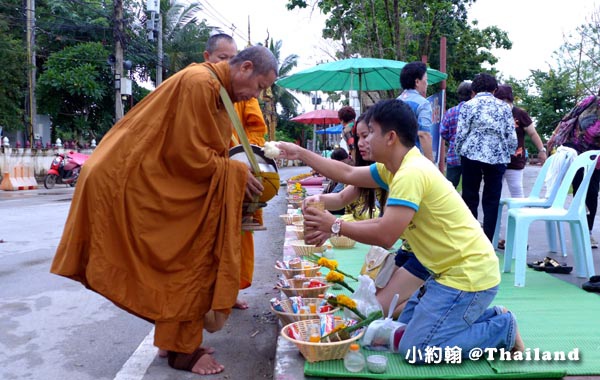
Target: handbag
x,y
379,265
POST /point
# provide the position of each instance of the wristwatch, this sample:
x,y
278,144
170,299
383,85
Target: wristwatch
x,y
336,227
542,150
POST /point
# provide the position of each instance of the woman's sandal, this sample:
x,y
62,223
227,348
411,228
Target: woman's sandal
x,y
552,266
534,264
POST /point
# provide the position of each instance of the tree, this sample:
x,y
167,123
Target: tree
x,y
580,55
407,30
13,79
277,95
184,36
76,90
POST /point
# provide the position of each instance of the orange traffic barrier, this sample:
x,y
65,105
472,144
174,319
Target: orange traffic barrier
x,y
13,180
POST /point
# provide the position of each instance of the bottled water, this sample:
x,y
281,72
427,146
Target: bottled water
x,y
354,361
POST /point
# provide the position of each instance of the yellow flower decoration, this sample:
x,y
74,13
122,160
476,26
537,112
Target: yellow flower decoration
x,y
330,264
334,276
346,301
338,328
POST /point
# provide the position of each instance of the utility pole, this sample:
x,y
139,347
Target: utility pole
x,y
118,37
31,69
159,48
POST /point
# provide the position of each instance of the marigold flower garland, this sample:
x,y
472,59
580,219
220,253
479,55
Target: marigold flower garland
x,y
332,265
338,278
342,332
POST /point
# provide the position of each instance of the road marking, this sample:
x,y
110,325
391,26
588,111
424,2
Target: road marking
x,y
136,366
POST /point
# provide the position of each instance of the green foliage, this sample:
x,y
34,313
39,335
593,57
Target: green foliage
x,y
580,55
283,97
13,77
76,90
292,131
406,30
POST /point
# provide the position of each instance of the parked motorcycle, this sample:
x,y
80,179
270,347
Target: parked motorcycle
x,y
65,169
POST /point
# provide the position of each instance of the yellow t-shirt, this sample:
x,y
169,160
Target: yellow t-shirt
x,y
443,233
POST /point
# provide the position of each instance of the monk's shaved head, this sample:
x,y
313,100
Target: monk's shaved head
x,y
262,59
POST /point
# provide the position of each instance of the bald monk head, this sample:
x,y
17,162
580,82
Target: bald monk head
x,y
252,70
219,47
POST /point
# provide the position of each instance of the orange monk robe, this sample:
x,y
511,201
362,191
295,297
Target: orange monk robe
x,y
254,124
155,221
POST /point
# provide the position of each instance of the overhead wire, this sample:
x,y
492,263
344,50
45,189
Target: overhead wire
x,y
218,17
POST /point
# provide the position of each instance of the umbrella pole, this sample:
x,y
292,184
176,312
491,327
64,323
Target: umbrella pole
x,y
314,138
360,92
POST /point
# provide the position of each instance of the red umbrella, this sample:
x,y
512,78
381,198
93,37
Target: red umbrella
x,y
319,117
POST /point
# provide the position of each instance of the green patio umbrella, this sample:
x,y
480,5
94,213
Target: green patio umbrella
x,y
362,74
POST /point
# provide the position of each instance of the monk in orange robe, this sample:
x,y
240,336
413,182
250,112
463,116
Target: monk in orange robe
x,y
222,47
155,221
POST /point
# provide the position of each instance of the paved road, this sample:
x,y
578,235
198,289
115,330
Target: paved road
x,y
53,328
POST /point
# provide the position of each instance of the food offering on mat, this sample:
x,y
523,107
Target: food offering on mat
x,y
309,287
303,249
300,334
296,309
297,266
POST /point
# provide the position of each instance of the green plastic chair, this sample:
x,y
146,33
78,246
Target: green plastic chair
x,y
519,219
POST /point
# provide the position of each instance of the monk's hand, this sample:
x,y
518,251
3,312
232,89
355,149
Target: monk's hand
x,y
288,150
253,186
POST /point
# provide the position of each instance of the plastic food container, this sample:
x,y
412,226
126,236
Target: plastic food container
x,y
376,363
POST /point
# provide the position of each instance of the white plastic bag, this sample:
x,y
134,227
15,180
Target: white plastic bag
x,y
366,302
384,334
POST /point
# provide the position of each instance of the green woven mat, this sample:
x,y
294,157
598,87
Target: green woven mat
x,y
552,315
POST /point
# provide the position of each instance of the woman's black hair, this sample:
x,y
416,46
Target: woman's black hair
x,y
366,193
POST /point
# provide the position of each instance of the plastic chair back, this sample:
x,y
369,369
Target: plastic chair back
x,y
559,164
587,162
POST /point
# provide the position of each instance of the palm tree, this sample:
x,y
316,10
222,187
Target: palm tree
x,y
276,95
183,35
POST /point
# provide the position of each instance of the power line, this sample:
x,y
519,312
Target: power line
x,y
222,19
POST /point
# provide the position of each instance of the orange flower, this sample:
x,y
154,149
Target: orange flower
x,y
346,301
331,264
334,276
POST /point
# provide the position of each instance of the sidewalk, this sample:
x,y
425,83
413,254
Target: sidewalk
x,y
289,364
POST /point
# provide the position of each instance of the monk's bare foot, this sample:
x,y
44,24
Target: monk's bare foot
x,y
239,304
207,365
163,353
519,344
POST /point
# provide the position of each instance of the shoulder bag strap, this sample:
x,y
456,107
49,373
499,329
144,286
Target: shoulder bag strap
x,y
237,124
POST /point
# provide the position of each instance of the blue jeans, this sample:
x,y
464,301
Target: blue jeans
x,y
439,316
472,174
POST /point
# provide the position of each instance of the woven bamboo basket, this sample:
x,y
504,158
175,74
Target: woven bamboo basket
x,y
316,352
342,242
302,249
296,288
307,271
299,231
295,201
289,316
291,218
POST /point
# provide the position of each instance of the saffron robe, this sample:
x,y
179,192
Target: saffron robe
x,y
255,127
155,221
